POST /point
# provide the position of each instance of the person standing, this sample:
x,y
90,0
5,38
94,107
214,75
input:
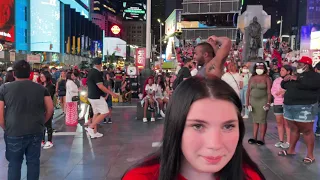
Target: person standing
x,y
246,75
107,83
301,106
259,99
96,91
22,116
233,78
61,90
72,98
317,133
46,81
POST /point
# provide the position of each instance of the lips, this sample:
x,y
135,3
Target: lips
x,y
212,160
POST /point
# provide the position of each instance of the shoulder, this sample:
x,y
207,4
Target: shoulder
x,y
143,173
251,174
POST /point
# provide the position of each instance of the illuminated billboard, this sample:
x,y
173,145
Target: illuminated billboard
x,y
305,37
114,45
7,20
74,5
45,25
134,11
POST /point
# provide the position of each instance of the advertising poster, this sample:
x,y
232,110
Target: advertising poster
x,y
7,20
305,37
141,55
114,45
45,25
134,11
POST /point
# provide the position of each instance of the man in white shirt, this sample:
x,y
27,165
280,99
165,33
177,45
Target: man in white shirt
x,y
193,69
233,78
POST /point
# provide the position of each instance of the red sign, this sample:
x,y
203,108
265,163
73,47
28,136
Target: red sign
x,y
7,20
115,29
141,55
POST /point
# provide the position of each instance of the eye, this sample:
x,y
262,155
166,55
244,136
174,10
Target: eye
x,y
229,127
197,127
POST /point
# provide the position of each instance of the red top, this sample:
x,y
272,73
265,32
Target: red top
x,y
152,173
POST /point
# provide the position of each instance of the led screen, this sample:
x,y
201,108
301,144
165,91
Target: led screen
x,y
134,11
315,40
305,36
74,5
86,2
45,25
7,20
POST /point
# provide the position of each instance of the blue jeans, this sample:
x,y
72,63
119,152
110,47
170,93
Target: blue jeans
x,y
243,97
16,148
318,121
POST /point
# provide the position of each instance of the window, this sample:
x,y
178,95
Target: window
x,y
25,13
26,36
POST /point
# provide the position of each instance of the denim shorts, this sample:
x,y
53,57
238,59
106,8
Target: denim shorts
x,y
278,110
300,113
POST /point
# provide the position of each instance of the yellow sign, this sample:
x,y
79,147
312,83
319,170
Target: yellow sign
x,y
115,29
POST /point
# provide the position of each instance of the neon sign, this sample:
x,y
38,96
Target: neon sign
x,y
115,29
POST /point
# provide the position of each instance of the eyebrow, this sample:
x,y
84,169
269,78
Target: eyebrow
x,y
205,122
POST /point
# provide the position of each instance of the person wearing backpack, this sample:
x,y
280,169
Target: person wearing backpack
x,y
184,72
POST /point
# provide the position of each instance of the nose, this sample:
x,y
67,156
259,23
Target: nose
x,y
214,140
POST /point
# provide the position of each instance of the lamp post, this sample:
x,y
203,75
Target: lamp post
x,y
161,24
280,22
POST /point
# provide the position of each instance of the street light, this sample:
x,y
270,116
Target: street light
x,y
161,24
280,22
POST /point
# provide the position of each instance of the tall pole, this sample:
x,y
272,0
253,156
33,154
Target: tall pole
x,y
281,29
148,38
160,45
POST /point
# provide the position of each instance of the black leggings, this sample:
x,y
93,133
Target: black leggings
x,y
48,126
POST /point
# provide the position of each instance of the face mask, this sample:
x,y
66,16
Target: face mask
x,y
259,71
245,70
301,70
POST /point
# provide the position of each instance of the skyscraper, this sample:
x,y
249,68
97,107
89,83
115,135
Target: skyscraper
x,y
170,5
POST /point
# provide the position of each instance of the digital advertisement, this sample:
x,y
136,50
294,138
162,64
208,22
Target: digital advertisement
x,y
45,25
114,45
134,11
309,37
74,5
7,20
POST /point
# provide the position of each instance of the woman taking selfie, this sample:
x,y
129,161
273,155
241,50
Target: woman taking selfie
x,y
197,146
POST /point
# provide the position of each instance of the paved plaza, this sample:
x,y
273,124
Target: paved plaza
x,y
76,157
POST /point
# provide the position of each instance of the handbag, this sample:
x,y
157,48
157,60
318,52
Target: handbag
x,y
75,98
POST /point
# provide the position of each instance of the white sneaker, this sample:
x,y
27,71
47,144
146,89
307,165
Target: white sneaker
x,y
153,119
145,120
162,114
90,132
245,117
42,144
98,135
48,145
278,144
285,145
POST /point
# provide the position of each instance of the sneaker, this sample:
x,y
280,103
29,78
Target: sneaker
x,y
48,145
278,144
285,145
145,120
104,121
109,121
162,114
317,133
90,132
153,119
245,117
98,135
42,144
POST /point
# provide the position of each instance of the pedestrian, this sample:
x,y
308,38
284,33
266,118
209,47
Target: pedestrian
x,y
301,106
197,146
108,97
46,81
61,90
246,75
96,91
259,100
278,93
23,121
72,98
317,133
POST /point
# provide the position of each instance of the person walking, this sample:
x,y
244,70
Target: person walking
x,y
46,81
72,98
23,121
96,91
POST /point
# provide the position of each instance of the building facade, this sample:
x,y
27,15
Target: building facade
x,y
135,33
209,17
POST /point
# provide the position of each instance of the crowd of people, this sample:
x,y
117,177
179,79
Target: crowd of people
x,y
195,138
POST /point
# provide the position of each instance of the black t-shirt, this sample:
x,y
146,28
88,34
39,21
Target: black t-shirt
x,y
185,72
24,112
94,78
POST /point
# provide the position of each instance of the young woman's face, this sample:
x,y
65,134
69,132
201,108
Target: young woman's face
x,y
150,81
43,78
63,74
210,136
73,77
283,72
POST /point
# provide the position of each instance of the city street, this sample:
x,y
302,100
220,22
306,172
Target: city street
x,y
127,140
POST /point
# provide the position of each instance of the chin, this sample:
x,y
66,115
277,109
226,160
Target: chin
x,y
205,168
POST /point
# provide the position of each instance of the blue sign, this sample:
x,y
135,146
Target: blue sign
x,y
74,5
45,25
86,2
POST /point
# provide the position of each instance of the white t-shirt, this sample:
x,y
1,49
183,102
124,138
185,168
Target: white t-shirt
x,y
233,80
194,72
159,91
150,89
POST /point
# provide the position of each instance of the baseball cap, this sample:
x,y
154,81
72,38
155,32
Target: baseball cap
x,y
305,60
97,61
